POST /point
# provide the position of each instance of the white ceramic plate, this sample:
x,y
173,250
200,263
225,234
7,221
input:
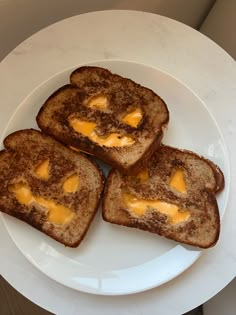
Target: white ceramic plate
x,y
115,260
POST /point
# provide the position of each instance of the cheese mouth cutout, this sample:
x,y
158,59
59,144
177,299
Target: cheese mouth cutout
x,y
57,213
87,129
139,207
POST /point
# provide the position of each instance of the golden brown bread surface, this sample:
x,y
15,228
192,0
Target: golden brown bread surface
x,y
198,215
121,97
49,186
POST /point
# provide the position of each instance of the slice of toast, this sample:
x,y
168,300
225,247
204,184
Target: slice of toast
x,y
49,186
173,196
106,115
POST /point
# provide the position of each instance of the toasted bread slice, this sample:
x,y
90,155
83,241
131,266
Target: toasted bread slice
x,y
173,196
49,186
106,115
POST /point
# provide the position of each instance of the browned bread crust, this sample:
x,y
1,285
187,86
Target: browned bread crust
x,y
123,95
24,151
203,179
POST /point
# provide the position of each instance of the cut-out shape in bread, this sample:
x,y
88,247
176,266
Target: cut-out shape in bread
x,y
49,186
106,115
173,196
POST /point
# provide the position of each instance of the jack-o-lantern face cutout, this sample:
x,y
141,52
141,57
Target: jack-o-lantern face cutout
x,y
173,196
108,116
131,117
48,186
140,206
56,212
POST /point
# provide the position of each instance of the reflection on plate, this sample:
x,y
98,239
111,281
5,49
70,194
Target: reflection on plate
x,y
115,260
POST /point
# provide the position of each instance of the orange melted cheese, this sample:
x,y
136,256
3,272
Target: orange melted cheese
x,y
71,184
87,129
177,181
133,118
140,206
98,101
57,214
42,170
143,175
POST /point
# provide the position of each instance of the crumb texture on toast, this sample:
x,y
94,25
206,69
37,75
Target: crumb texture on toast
x,y
116,105
196,198
49,186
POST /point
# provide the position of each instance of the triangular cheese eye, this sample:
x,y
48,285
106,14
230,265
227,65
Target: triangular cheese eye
x,y
42,170
98,101
71,184
177,181
133,118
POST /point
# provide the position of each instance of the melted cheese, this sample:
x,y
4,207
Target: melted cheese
x,y
140,206
22,193
71,184
133,118
99,101
143,175
42,170
86,128
57,214
177,181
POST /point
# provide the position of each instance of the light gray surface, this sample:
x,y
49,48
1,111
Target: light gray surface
x,y
223,303
220,25
19,19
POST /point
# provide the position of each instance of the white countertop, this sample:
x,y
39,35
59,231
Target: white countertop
x,y
158,42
